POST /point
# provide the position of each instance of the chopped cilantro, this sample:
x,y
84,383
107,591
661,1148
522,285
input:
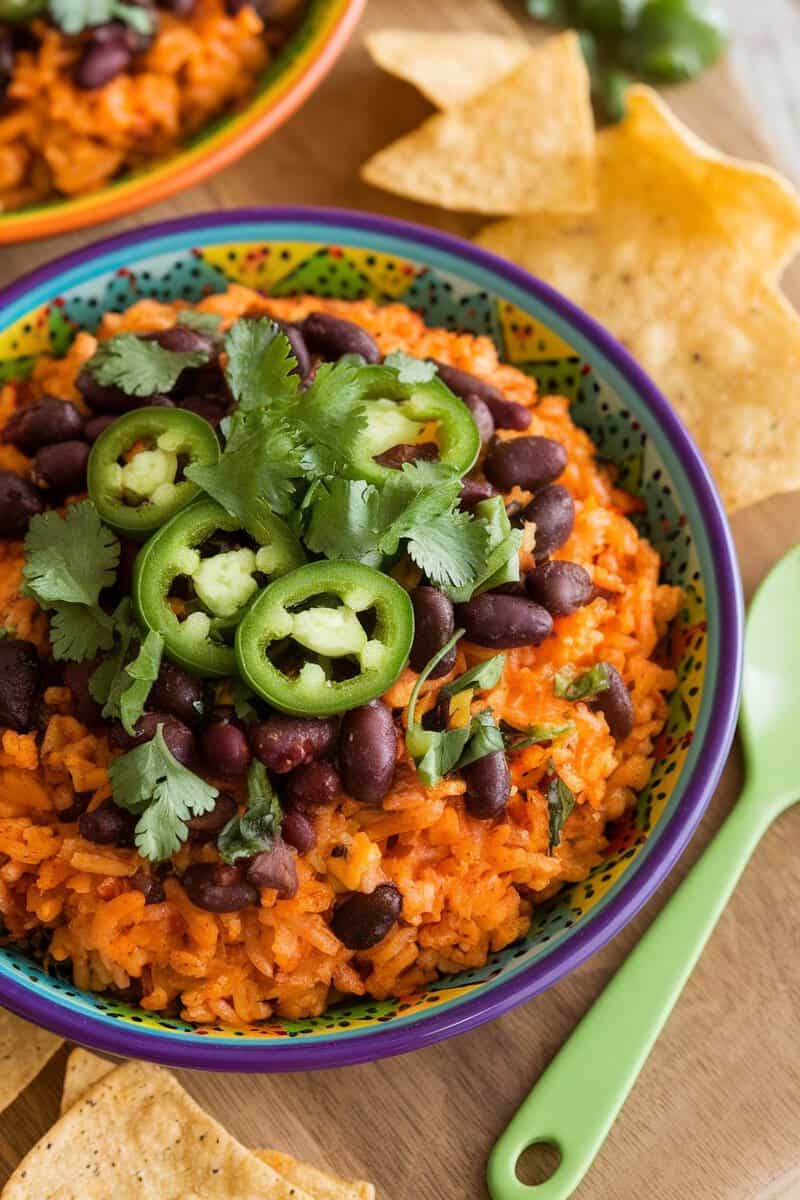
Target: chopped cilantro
x,y
73,16
345,521
122,683
150,782
258,826
68,562
138,367
258,466
242,699
410,370
482,676
568,686
534,735
435,752
203,322
560,803
484,738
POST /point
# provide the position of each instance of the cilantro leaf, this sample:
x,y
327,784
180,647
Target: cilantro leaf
x,y
73,16
483,676
534,735
409,369
560,803
500,562
150,782
345,521
330,415
68,562
567,686
258,466
70,559
484,738
258,826
449,548
242,699
140,674
103,681
78,632
435,752
203,322
138,367
260,364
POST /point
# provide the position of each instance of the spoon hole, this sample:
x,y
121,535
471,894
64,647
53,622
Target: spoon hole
x,y
538,1163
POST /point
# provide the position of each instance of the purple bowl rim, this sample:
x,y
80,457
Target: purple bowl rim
x,y
281,1055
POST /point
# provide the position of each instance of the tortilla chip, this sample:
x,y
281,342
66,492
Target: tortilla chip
x,y
24,1050
680,260
448,68
316,1183
526,144
84,1070
137,1135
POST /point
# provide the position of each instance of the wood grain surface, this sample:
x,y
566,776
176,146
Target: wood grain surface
x,y
716,1113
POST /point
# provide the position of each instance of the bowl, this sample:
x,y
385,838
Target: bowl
x,y
289,79
460,287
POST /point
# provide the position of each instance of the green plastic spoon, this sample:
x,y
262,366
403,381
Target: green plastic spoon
x,y
577,1099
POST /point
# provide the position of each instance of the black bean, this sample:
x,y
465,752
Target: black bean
x,y
62,467
561,587
364,919
274,868
488,786
553,512
183,339
298,831
615,704
102,61
108,825
179,8
482,416
316,783
207,825
475,490
208,408
294,335
405,452
433,626
207,381
368,752
178,737
6,58
178,692
332,337
216,887
526,462
501,621
79,805
150,886
104,398
136,40
226,749
283,743
19,501
19,682
507,414
42,424
76,677
97,425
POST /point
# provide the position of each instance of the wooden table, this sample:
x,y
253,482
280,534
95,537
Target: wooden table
x,y
716,1114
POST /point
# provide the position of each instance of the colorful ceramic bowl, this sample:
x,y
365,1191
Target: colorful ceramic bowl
x,y
283,251
290,78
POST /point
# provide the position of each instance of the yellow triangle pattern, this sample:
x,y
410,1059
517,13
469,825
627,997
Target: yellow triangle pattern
x,y
526,339
258,266
29,335
388,274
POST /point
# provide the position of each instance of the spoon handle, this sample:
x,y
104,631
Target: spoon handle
x,y
577,1099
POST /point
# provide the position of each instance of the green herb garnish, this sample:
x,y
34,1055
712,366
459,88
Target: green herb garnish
x,y
435,752
534,735
568,686
203,322
123,682
483,676
485,738
258,826
68,562
138,367
560,803
150,782
73,16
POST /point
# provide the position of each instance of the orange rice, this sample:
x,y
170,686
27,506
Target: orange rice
x,y
468,886
56,138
